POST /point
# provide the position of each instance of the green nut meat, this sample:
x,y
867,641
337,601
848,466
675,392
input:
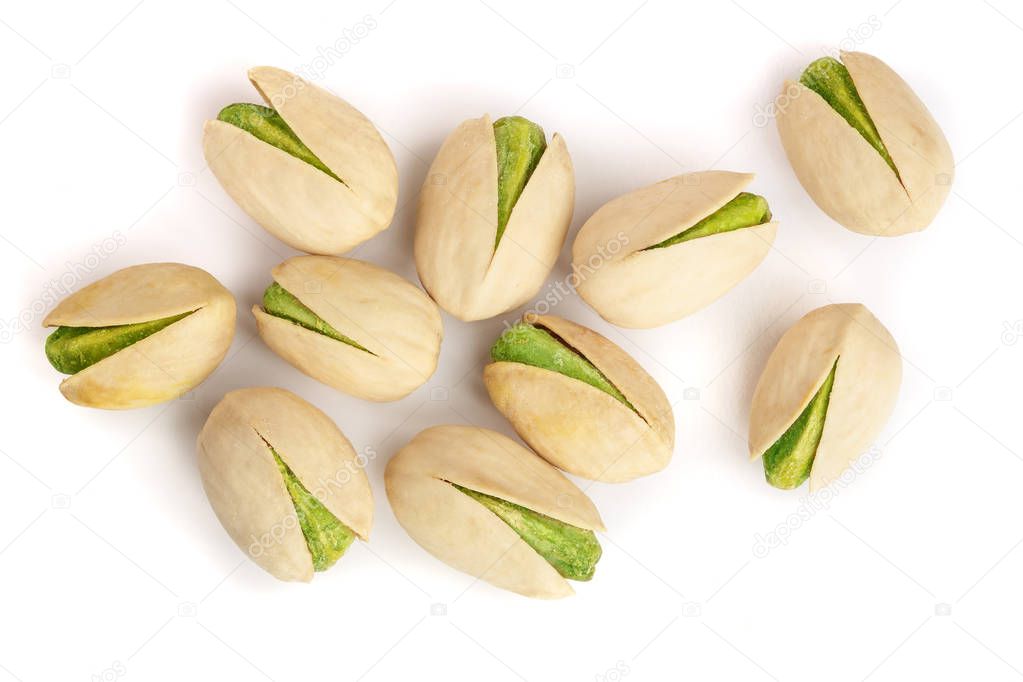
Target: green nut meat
x,y
787,463
326,536
745,210
280,302
72,349
572,551
533,345
267,125
520,144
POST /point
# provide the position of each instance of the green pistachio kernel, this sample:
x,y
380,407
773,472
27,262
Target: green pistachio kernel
x,y
72,349
267,125
325,535
787,463
745,210
572,551
534,346
520,144
830,79
280,302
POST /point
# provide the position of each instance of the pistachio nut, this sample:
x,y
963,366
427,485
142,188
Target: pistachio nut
x,y
864,146
493,215
284,481
140,336
580,401
659,253
482,503
827,390
310,168
352,325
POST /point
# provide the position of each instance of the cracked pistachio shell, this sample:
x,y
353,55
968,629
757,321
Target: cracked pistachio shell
x,y
386,314
864,393
633,287
457,225
845,176
463,533
246,488
296,202
161,366
577,427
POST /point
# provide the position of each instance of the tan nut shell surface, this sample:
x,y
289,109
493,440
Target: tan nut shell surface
x,y
296,202
164,365
376,308
630,287
457,224
863,396
577,427
246,489
460,531
845,176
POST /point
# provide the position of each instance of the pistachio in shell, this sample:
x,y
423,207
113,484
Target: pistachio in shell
x,y
580,401
863,145
351,325
493,215
827,390
487,506
309,168
142,335
284,481
662,252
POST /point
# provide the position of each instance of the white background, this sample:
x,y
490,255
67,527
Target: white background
x,y
111,562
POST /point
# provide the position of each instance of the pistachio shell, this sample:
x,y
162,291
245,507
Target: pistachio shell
x,y
246,488
164,365
389,316
457,223
577,427
296,202
460,531
866,385
845,176
633,287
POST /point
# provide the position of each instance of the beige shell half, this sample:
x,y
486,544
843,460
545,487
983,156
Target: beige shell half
x,y
845,176
246,489
580,428
631,287
382,312
864,393
457,225
299,204
460,531
161,366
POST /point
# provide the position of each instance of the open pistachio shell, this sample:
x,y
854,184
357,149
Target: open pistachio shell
x,y
863,391
458,219
396,326
465,534
847,177
631,284
162,365
295,201
578,427
247,489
